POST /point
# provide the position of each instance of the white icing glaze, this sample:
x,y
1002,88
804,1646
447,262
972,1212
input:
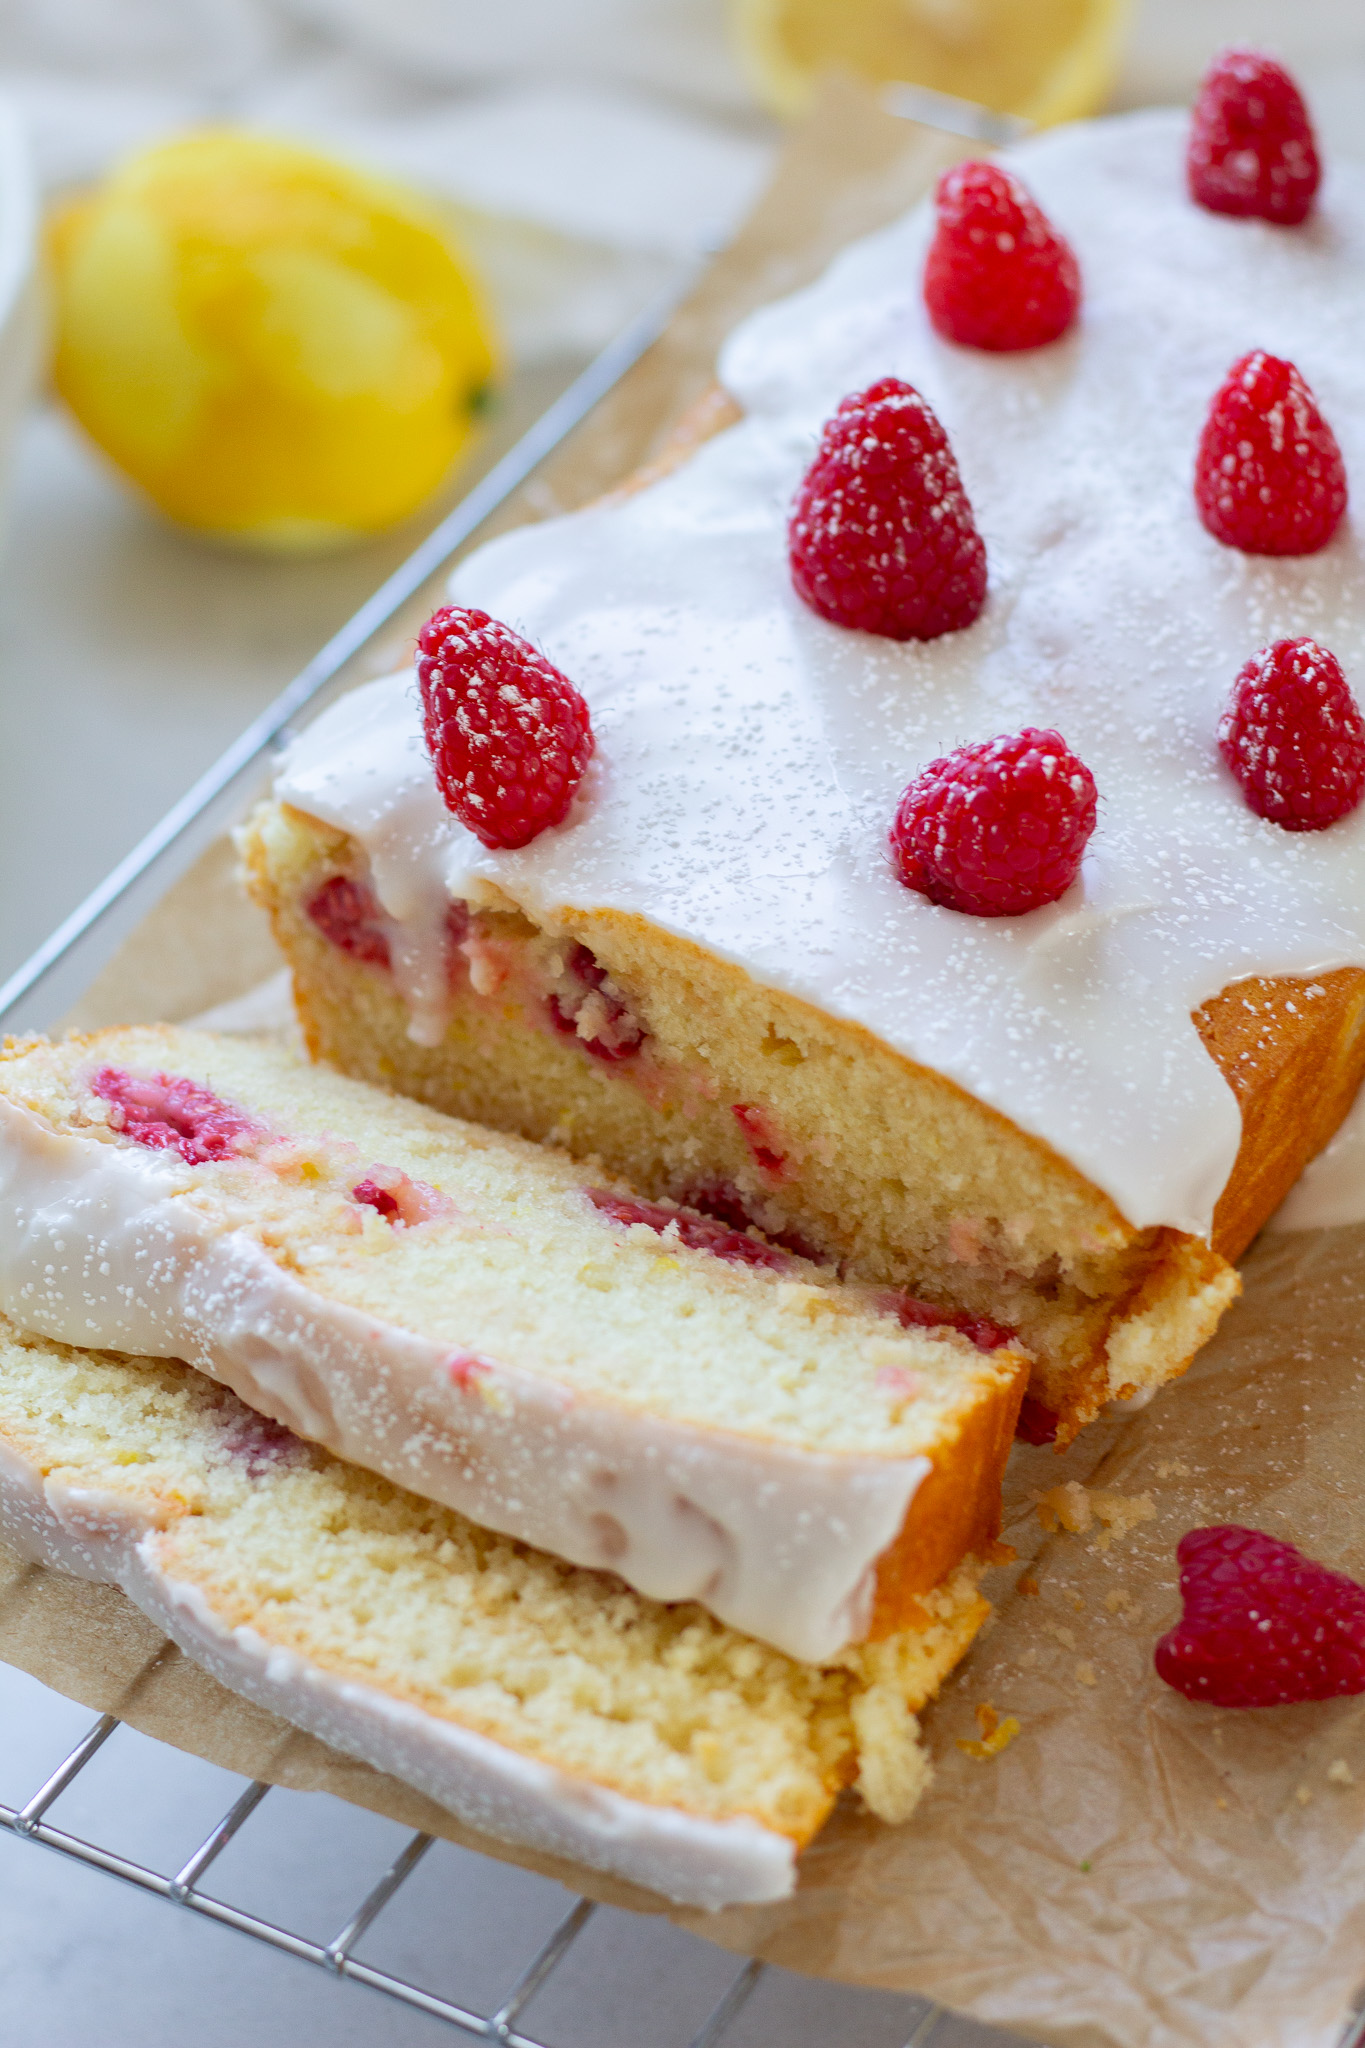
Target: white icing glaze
x,y
517,1798
750,755
97,1248
690,1859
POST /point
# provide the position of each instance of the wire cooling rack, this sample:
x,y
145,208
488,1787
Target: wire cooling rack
x,y
184,1887
909,2024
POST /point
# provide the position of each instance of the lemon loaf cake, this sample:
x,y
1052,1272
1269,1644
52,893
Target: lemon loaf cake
x,y
709,973
541,1703
490,1324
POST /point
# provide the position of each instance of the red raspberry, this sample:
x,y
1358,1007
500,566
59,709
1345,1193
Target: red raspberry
x,y
1263,1625
914,1314
999,276
508,734
1269,477
1294,737
1251,142
618,1035
759,1136
171,1113
997,828
346,913
882,536
1036,1424
698,1233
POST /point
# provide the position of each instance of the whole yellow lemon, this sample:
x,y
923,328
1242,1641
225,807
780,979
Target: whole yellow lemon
x,y
279,349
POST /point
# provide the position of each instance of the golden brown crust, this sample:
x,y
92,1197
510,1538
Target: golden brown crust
x,y
955,1513
1292,1049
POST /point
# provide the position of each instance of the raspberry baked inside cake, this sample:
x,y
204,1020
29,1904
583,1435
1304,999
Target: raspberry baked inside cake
x,y
711,973
494,1325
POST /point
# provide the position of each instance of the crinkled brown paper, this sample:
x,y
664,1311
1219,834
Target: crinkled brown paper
x,y
1132,1868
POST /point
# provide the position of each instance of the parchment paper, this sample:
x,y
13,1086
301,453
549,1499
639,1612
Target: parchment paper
x,y
1131,1869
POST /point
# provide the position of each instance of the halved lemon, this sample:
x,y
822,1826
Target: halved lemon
x,y
1045,60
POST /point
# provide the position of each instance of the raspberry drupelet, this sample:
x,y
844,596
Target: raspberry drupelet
x,y
998,828
508,735
1251,148
882,535
1269,477
1263,1625
998,274
1293,736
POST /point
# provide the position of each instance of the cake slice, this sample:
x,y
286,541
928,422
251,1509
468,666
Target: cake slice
x,y
501,1329
548,1706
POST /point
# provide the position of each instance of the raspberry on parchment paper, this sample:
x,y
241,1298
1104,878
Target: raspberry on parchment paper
x,y
1263,1625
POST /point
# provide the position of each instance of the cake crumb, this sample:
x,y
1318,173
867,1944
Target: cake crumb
x,y
1220,1801
1065,1507
1076,1600
801,1297
1085,1674
1304,1794
1028,1586
898,1384
1070,1507
1119,1602
1121,1513
1340,1773
1062,1635
1173,1468
995,1733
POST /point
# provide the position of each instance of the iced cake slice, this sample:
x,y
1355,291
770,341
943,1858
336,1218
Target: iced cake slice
x,y
503,1330
546,1705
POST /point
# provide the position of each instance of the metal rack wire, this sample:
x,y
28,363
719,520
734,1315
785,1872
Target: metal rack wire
x,y
184,1887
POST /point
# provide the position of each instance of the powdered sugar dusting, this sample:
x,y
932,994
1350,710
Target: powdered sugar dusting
x,y
750,754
